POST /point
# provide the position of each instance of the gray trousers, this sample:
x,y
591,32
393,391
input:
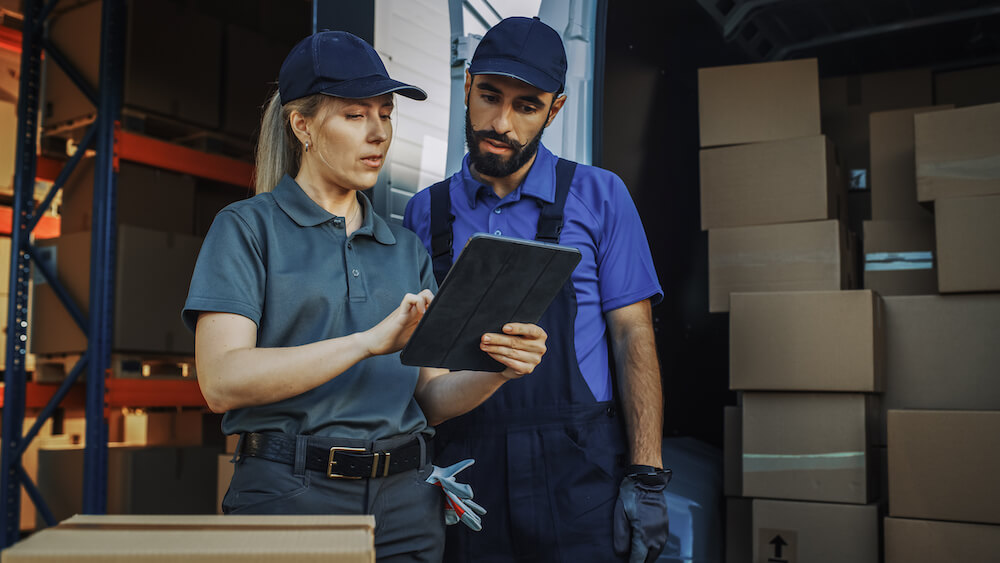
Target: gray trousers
x,y
409,517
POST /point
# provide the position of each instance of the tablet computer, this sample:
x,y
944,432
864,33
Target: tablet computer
x,y
495,280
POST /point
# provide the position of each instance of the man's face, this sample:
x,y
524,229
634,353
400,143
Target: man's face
x,y
504,121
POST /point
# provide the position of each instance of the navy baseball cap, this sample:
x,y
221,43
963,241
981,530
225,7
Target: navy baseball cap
x,y
523,48
340,64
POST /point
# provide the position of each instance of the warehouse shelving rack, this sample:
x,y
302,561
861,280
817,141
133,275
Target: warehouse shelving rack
x,y
111,144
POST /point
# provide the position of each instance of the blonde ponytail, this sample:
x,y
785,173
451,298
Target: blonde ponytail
x,y
278,150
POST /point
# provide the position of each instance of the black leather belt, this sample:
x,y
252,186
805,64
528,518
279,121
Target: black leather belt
x,y
337,462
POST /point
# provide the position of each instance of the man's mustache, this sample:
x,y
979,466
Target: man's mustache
x,y
489,134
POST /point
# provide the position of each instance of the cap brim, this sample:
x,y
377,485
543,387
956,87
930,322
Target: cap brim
x,y
371,87
514,69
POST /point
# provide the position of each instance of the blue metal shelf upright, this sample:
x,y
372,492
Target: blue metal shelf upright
x,y
107,98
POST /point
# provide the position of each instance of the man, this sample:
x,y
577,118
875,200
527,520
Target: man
x,y
563,474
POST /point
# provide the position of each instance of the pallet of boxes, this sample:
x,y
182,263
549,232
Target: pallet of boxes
x,y
824,371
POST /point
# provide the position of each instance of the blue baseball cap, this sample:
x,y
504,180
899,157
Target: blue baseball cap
x,y
523,48
340,64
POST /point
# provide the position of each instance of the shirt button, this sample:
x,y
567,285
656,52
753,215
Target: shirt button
x,y
497,210
349,246
497,232
356,273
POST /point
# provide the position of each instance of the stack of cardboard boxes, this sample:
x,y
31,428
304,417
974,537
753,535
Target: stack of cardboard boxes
x,y
804,349
849,398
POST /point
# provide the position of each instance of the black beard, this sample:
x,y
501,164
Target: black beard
x,y
494,165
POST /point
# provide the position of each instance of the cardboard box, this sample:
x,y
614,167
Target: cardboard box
x,y
232,440
943,465
141,480
225,476
942,353
739,530
153,273
928,541
899,257
732,452
968,243
811,532
893,166
809,446
810,256
151,198
209,539
163,428
806,341
968,87
773,182
846,102
157,78
958,152
758,102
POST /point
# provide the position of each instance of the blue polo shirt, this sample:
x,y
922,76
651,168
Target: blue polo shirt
x,y
284,262
600,219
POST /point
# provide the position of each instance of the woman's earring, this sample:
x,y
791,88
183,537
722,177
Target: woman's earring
x,y
307,146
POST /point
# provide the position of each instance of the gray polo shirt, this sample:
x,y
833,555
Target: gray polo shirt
x,y
285,263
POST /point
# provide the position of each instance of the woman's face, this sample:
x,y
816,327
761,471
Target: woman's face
x,y
350,140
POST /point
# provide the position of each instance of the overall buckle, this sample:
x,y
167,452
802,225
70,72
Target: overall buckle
x,y
329,467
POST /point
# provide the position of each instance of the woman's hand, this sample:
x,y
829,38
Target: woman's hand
x,y
520,348
394,331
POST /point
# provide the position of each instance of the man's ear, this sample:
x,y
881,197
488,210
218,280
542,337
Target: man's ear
x,y
468,86
557,105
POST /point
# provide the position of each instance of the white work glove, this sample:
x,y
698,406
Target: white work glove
x,y
459,506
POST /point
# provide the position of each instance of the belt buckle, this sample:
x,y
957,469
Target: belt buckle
x,y
329,467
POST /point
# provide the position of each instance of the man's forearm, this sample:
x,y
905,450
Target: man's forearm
x,y
638,374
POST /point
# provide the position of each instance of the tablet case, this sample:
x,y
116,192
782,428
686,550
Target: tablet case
x,y
495,280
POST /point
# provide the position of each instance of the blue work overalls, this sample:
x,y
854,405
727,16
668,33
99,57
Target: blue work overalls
x,y
549,457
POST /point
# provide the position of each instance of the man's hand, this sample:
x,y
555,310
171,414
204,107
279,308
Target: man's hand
x,y
641,524
394,331
520,348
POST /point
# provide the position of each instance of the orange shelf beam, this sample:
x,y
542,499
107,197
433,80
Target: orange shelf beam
x,y
161,154
37,395
48,227
153,393
10,39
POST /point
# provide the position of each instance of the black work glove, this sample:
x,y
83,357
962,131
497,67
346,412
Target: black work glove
x,y
641,525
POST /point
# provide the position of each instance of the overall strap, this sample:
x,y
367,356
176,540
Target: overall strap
x,y
550,221
441,232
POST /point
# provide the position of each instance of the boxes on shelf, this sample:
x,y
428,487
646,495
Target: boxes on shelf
x,y
929,541
224,477
151,198
899,257
958,152
144,427
792,451
758,102
739,530
806,341
968,243
158,69
968,87
809,256
152,276
893,166
251,67
846,102
141,480
203,538
815,532
943,465
771,182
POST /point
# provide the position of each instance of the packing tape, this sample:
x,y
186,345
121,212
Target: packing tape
x,y
892,261
802,462
985,168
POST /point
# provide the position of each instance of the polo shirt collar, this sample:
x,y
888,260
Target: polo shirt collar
x,y
540,183
299,207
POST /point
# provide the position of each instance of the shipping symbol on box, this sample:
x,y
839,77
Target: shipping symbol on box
x,y
777,546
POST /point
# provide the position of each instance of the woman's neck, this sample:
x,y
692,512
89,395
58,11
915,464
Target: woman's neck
x,y
334,199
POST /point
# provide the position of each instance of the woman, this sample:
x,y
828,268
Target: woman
x,y
301,298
